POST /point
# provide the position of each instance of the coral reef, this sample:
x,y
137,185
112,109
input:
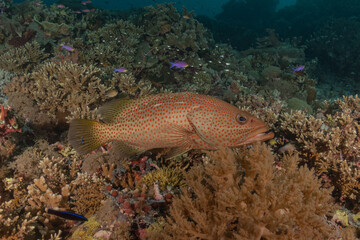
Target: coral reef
x,y
112,46
22,59
58,63
165,177
331,41
57,185
247,197
8,125
330,142
5,78
60,91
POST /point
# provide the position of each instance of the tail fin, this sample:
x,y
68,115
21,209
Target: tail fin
x,y
172,65
84,135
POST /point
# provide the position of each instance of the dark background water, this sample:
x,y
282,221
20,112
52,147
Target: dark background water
x,y
201,7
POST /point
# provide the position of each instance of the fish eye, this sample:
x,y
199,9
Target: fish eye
x,y
241,119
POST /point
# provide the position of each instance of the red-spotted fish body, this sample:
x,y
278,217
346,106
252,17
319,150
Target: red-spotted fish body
x,y
180,121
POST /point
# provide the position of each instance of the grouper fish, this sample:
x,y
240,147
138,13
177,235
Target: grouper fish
x,y
178,122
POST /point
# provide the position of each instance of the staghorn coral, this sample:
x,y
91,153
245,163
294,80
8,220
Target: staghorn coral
x,y
222,201
127,84
330,142
27,164
61,91
22,59
16,224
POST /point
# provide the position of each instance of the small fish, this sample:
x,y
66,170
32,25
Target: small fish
x,y
178,64
66,215
85,2
299,68
272,141
68,48
287,148
112,93
186,17
86,10
177,121
37,3
61,6
77,12
120,70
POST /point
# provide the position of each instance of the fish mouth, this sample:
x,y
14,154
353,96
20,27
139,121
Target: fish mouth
x,y
261,134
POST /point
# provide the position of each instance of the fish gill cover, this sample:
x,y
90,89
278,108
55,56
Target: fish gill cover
x,y
165,107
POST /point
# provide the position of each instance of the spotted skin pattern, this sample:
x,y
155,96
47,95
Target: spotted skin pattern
x,y
176,120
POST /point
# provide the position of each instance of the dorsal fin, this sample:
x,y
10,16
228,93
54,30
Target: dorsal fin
x,y
110,111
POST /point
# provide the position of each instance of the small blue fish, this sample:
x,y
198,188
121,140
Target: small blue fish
x,y
66,215
178,64
82,140
121,70
299,68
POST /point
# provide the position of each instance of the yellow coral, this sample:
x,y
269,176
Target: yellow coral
x,y
165,177
86,230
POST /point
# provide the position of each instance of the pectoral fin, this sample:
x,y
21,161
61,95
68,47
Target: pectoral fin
x,y
202,121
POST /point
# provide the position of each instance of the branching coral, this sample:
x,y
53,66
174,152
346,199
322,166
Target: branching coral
x,y
22,59
127,84
331,143
61,90
222,201
59,186
112,46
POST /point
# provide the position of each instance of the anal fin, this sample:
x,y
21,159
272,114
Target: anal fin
x,y
124,150
176,151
